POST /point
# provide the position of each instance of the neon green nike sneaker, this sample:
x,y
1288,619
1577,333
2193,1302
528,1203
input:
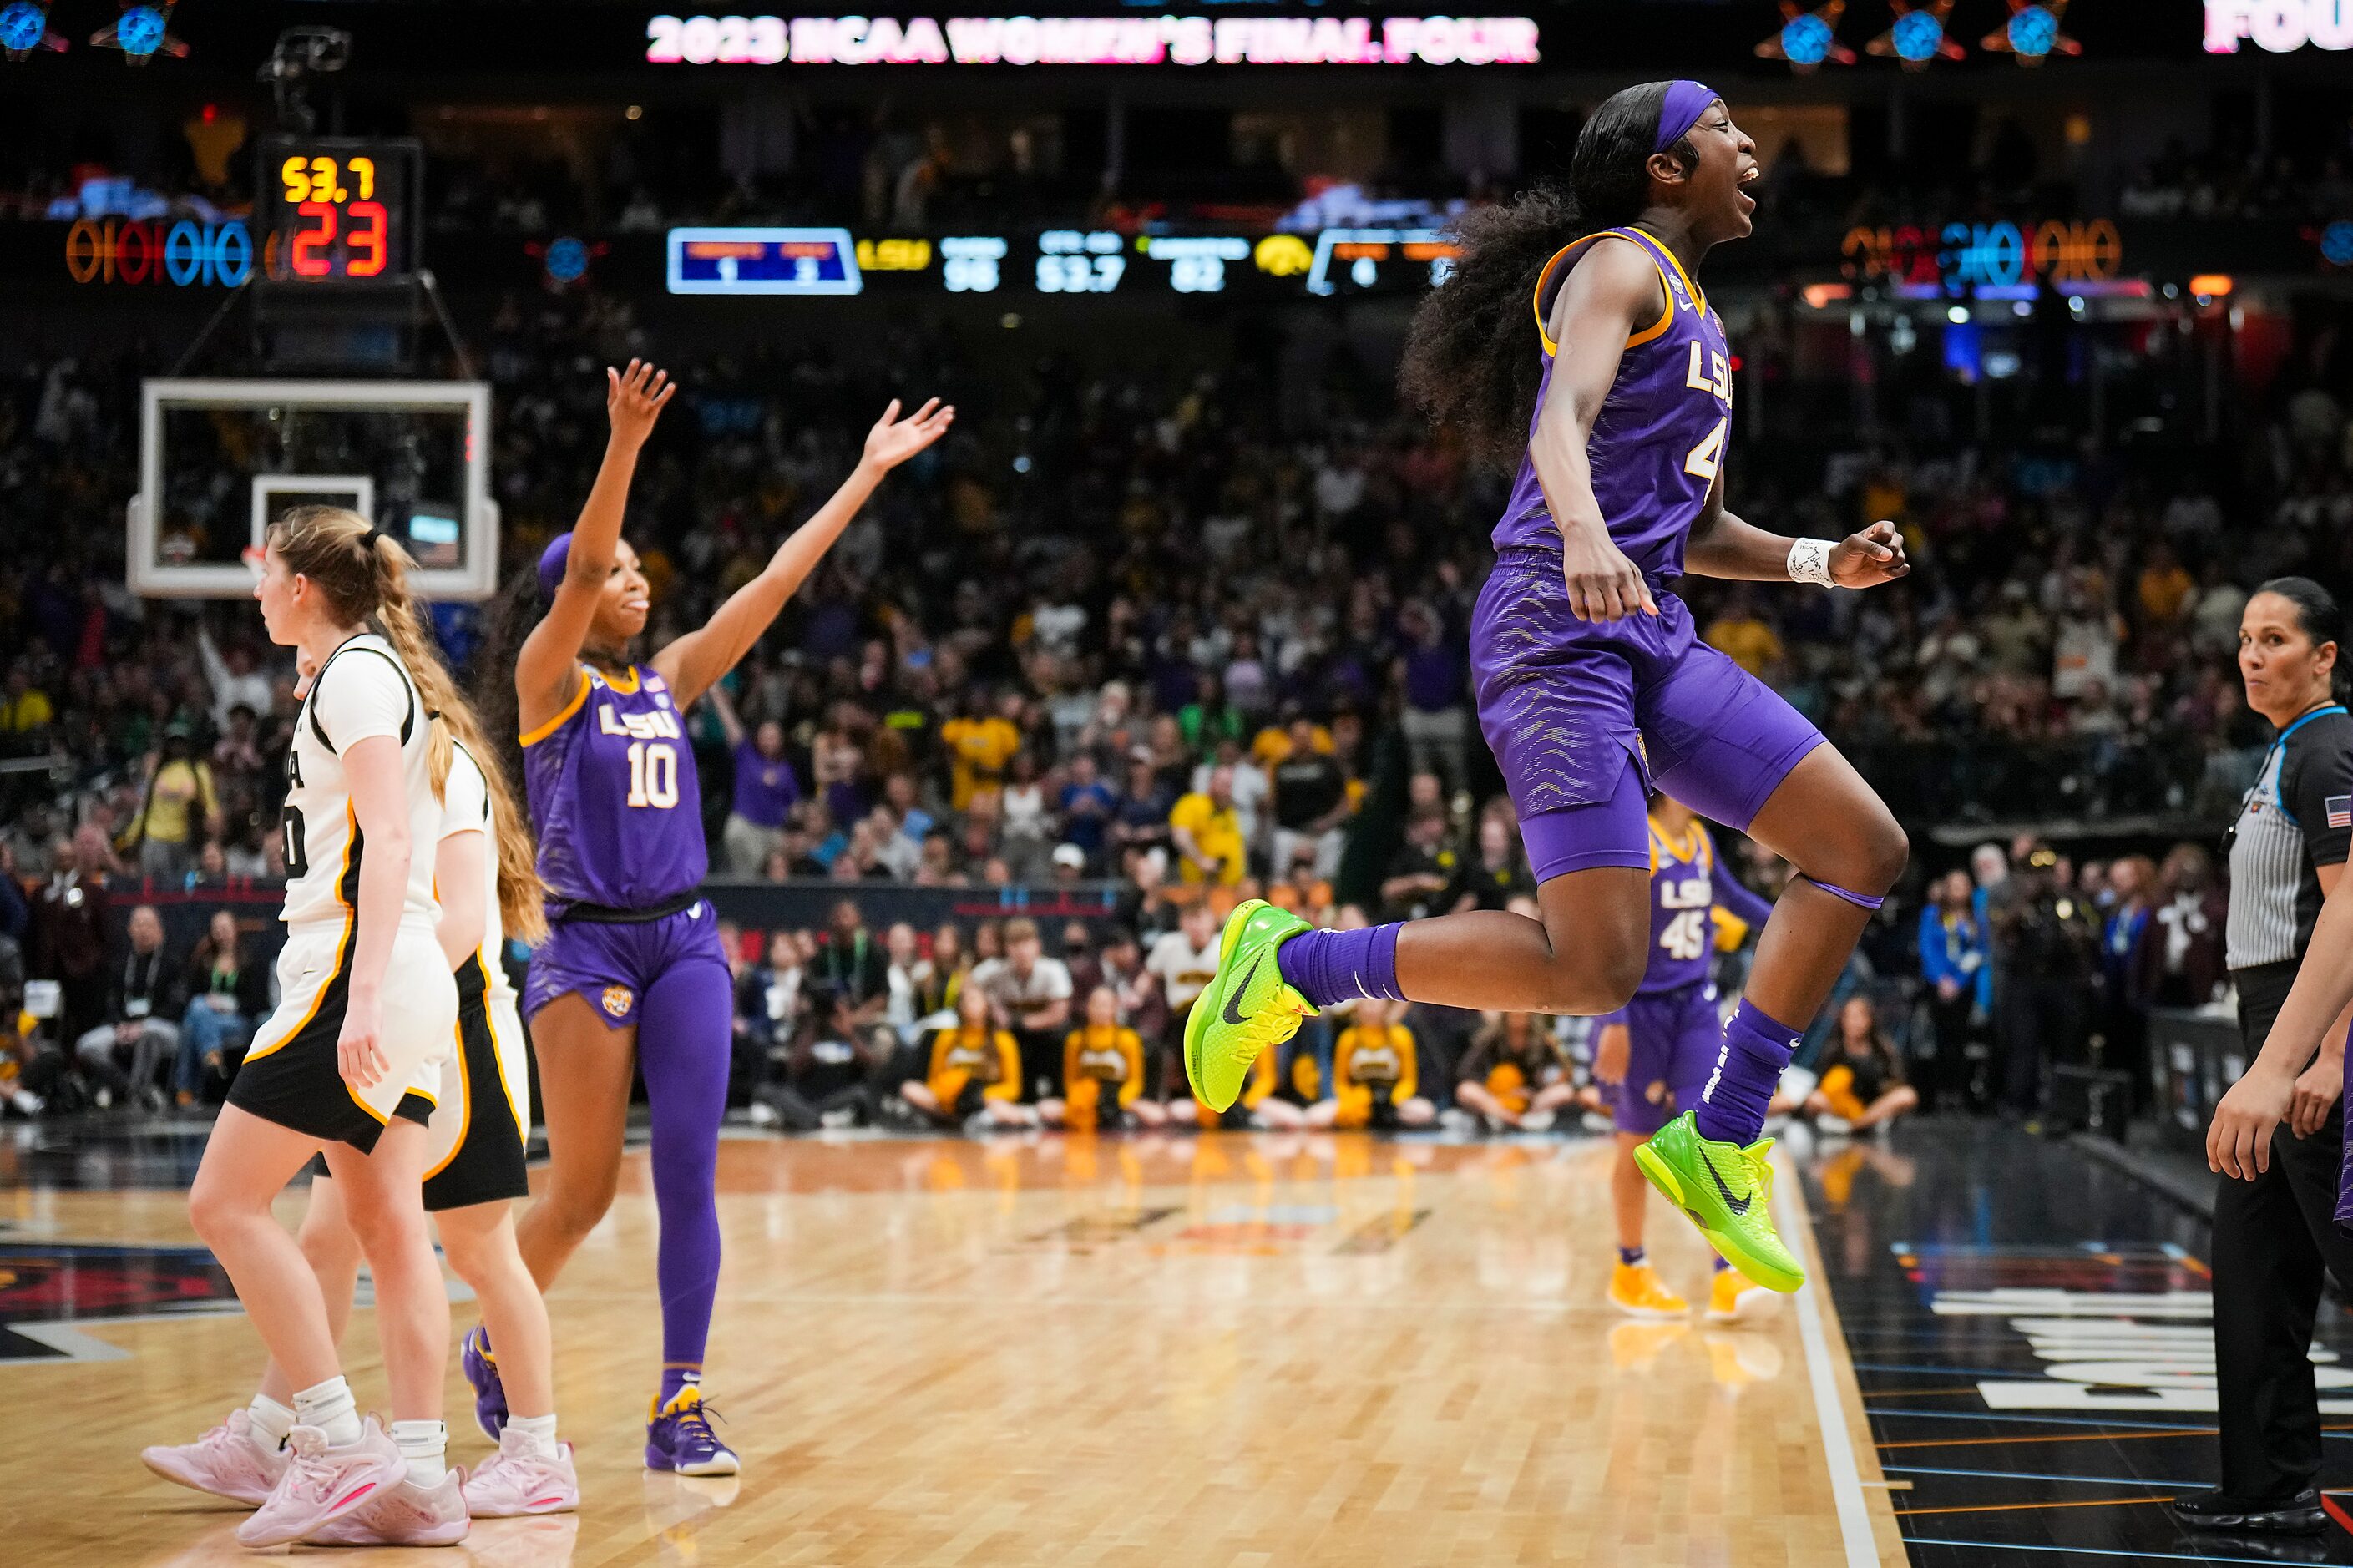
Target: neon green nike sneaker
x,y
1727,1191
1247,1007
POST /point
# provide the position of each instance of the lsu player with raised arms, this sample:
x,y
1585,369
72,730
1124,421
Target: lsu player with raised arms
x,y
488,886
1614,399
631,975
1659,1048
350,1064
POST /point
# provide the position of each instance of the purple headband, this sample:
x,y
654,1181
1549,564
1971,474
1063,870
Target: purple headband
x,y
1685,103
552,562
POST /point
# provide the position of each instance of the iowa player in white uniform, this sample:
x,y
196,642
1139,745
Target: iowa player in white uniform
x,y
350,1062
485,875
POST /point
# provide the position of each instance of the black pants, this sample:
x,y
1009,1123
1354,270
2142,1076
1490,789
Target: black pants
x,y
1949,1085
2038,1021
2272,1237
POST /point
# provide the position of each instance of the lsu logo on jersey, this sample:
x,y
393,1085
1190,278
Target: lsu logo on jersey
x,y
618,1000
660,725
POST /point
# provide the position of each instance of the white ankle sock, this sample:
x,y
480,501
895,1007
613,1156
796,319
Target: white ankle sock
x,y
424,1444
539,1430
328,1407
271,1422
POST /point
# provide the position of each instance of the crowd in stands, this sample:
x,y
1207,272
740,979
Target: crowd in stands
x,y
1178,626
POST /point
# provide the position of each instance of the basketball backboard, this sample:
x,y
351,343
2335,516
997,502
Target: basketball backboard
x,y
219,458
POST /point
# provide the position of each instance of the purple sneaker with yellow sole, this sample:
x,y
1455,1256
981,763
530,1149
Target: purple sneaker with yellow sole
x,y
483,1372
679,1438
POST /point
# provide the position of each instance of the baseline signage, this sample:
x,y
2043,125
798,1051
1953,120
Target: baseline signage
x,y
2278,26
1093,40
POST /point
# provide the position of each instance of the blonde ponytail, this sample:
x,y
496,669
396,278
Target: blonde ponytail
x,y
522,896
364,575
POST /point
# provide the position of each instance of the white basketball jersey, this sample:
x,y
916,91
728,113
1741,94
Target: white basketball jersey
x,y
362,691
466,808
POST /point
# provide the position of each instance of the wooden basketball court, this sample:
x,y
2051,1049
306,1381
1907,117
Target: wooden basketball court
x,y
1163,1353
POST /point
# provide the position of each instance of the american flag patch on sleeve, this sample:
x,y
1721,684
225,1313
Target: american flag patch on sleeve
x,y
2341,810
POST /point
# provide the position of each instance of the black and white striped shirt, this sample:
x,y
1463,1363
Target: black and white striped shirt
x,y
2297,819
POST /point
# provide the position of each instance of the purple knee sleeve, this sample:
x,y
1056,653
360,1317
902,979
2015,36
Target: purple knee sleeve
x,y
1860,900
1747,1069
1328,967
684,1027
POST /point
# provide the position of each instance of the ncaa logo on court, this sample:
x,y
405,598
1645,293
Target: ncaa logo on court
x,y
618,999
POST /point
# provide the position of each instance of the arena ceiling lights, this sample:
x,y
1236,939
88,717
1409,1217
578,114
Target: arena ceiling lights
x,y
1920,35
142,31
25,27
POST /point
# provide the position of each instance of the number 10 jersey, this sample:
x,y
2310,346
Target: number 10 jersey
x,y
613,796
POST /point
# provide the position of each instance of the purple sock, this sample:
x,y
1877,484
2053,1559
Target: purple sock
x,y
1328,967
1756,1049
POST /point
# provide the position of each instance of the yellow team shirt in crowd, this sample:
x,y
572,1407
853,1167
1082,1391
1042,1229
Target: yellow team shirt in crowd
x,y
28,709
986,1057
1217,834
1747,642
181,788
1098,1055
979,750
1367,1061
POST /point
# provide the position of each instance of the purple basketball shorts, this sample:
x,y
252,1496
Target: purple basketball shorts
x,y
1672,1038
1584,715
613,965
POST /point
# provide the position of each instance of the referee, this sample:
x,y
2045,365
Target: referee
x,y
2275,1214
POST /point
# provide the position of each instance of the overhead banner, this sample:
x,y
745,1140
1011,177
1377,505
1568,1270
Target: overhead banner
x,y
1093,41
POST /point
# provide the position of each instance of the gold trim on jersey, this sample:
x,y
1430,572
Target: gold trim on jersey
x,y
343,944
533,737
499,1061
465,1090
635,679
1543,280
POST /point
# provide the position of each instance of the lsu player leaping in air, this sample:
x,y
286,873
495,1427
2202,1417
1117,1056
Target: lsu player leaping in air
x,y
1615,400
632,975
1659,1048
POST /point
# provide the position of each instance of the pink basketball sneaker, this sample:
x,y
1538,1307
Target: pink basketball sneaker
x,y
402,1514
519,1479
225,1461
322,1483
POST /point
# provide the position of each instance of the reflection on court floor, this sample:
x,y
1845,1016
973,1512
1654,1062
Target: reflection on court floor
x,y
2034,1396
1168,1352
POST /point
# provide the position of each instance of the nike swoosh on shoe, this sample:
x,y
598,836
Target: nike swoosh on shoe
x,y
1232,1014
1737,1206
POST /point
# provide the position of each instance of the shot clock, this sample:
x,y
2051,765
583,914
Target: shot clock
x,y
337,209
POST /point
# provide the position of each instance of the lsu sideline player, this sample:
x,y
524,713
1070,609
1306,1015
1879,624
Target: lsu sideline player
x,y
1615,404
1660,1049
631,976
351,1061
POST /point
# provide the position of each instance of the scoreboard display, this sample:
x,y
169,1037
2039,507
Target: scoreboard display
x,y
762,261
334,209
1097,262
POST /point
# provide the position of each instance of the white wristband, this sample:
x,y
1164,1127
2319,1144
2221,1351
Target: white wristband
x,y
1809,561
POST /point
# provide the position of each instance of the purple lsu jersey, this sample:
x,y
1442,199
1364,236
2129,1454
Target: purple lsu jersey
x,y
1683,899
613,796
1659,440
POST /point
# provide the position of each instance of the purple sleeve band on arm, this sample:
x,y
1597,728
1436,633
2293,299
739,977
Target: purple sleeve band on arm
x,y
1860,900
1685,103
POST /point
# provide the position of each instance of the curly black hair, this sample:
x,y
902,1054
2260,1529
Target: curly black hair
x,y
1470,361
